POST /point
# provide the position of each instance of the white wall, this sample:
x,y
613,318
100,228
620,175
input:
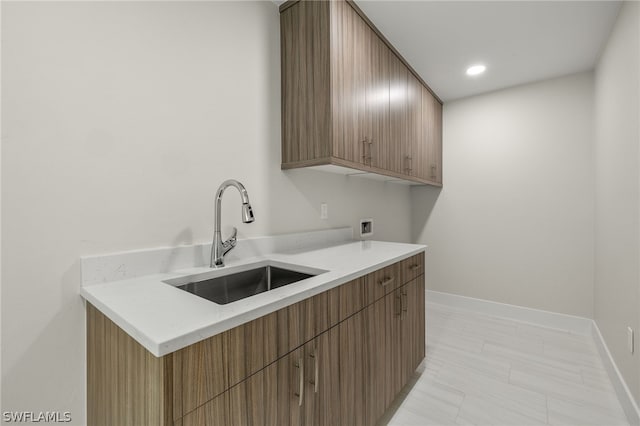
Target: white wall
x,y
120,120
617,189
514,220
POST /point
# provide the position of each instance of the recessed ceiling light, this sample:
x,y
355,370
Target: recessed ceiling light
x,y
476,70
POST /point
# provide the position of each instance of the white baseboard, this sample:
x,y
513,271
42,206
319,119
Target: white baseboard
x,y
573,324
622,390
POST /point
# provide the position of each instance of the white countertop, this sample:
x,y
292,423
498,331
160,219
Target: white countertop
x,y
164,318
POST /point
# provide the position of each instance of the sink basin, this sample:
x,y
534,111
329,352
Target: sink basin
x,y
240,285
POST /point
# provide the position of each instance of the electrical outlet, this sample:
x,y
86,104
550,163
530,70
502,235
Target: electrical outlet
x,y
324,211
630,339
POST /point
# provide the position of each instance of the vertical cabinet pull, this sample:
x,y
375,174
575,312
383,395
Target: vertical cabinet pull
x,y
433,170
366,142
300,394
314,381
405,302
364,150
398,305
408,163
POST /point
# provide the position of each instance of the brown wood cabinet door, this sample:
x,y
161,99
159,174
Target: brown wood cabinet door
x,y
413,148
251,402
431,157
398,116
374,361
304,35
349,72
291,387
351,371
327,403
408,321
322,394
213,413
421,328
377,103
393,345
412,326
311,383
436,148
247,401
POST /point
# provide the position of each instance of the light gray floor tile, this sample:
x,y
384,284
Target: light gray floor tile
x,y
562,412
482,370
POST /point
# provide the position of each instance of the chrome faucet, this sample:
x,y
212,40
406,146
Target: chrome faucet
x,y
219,248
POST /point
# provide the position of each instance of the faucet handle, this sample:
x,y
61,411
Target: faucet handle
x,y
231,242
233,236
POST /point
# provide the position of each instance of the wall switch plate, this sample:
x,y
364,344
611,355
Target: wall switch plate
x,y
630,339
324,211
366,227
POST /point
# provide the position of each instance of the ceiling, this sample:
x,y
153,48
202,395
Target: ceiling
x,y
518,41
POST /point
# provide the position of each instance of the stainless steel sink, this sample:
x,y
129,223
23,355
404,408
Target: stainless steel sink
x,y
230,288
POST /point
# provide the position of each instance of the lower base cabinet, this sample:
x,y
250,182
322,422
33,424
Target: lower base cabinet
x,y
342,377
348,374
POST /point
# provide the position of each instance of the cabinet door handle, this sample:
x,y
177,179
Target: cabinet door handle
x,y
366,157
314,382
364,150
408,161
405,304
433,170
300,394
398,305
385,281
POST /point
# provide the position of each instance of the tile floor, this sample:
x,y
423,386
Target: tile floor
x,y
483,370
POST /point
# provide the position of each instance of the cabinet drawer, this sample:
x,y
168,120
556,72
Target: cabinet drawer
x,y
207,368
412,267
301,322
346,300
382,282
250,347
199,374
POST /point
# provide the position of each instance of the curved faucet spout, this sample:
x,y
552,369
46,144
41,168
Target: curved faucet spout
x,y
219,248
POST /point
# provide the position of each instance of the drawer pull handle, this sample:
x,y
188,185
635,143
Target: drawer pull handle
x,y
386,281
414,266
300,366
314,382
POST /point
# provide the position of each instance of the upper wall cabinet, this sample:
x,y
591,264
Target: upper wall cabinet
x,y
350,101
